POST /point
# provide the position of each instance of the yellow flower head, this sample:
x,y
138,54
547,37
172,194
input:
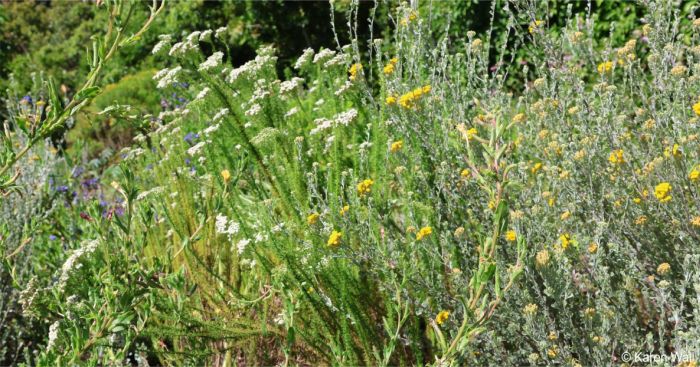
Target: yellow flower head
x,y
605,67
388,69
694,175
424,232
471,133
365,187
312,218
226,175
390,100
663,192
511,236
696,108
354,69
695,221
617,157
396,146
536,168
442,317
534,26
565,240
344,209
465,173
663,269
593,248
519,118
334,239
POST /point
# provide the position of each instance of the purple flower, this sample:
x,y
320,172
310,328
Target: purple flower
x,y
77,171
52,237
26,100
62,189
191,137
91,183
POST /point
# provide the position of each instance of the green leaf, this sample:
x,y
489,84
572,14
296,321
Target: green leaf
x,y
487,273
87,93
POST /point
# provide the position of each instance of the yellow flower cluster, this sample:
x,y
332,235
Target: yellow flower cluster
x,y
694,175
389,68
411,17
663,192
519,118
534,26
408,100
467,134
605,67
616,157
334,239
511,236
312,218
226,175
396,146
565,240
442,316
696,108
663,269
365,187
424,232
354,70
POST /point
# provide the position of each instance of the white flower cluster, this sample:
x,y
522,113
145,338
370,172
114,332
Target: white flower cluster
x,y
72,263
219,115
145,194
323,54
212,61
253,110
167,76
261,91
304,58
340,59
203,93
210,129
241,245
191,43
160,46
53,335
343,88
251,68
343,118
225,226
205,35
290,85
132,153
196,149
220,32
292,112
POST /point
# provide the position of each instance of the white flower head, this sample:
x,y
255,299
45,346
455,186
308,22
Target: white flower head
x,y
304,58
212,61
220,32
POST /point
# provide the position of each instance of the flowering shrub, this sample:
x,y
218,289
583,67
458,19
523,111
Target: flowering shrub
x,y
398,205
